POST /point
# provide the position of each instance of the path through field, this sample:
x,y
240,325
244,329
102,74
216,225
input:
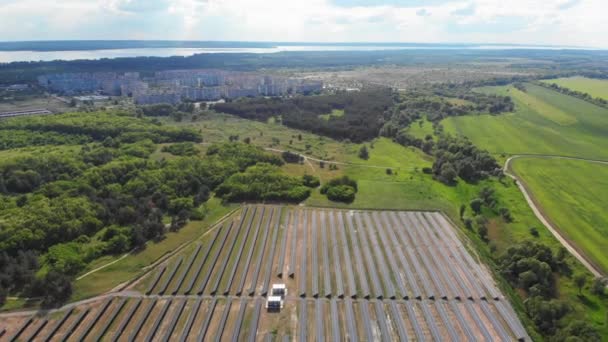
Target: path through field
x,y
539,213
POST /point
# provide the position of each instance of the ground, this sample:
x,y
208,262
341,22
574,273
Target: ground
x,y
574,202
550,123
591,86
410,188
129,268
448,281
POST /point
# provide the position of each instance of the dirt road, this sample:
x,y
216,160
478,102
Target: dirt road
x,y
539,214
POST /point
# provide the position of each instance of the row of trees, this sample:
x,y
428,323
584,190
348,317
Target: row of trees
x,y
364,112
578,94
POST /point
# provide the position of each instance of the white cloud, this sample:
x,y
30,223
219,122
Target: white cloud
x,y
560,22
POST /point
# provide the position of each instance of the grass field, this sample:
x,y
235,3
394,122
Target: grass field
x,y
574,195
536,127
421,128
336,113
591,86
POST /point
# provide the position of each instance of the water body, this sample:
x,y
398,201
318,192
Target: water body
x,y
35,56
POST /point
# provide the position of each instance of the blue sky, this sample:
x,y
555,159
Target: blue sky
x,y
541,22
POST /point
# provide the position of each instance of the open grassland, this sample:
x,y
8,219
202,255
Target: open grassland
x,y
537,126
591,86
216,127
574,195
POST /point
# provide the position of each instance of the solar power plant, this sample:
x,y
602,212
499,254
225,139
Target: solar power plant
x,y
350,276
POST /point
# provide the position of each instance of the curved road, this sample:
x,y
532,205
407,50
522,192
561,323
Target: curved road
x,y
571,248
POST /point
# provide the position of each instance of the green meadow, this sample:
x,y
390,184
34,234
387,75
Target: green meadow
x,y
574,194
544,122
591,86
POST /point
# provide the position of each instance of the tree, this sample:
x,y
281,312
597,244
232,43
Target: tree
x,y
506,214
483,232
580,280
463,208
56,289
448,174
389,171
534,231
476,205
363,153
598,287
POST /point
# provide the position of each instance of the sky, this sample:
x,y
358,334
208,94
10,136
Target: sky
x,y
539,22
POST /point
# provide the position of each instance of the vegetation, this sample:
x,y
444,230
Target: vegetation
x,y
102,198
533,128
263,182
181,149
341,189
363,112
572,194
595,88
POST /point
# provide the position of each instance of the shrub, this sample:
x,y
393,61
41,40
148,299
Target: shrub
x,y
341,193
290,157
363,153
310,181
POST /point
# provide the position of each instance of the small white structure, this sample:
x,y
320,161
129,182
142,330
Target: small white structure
x,y
274,303
279,290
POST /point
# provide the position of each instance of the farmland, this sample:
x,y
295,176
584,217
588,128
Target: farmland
x,y
591,86
577,129
573,195
216,288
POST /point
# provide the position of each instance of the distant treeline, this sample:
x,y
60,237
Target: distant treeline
x,y
546,61
364,112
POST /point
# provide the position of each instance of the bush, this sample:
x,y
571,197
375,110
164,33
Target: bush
x,y
161,109
311,181
341,193
476,205
263,182
341,189
363,153
598,287
181,149
290,157
344,180
534,231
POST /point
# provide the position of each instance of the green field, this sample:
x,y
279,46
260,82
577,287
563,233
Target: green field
x,y
545,122
591,86
421,128
336,113
574,195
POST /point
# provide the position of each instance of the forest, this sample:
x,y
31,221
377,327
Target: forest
x,y
100,192
363,117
